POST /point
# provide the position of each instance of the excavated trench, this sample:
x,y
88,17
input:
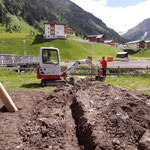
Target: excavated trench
x,y
87,116
83,128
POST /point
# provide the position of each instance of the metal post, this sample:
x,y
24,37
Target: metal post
x,y
24,47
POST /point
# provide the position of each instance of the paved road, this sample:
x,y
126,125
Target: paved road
x,y
130,64
115,64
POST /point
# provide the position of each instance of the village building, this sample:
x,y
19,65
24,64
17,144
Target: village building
x,y
110,42
147,45
96,38
54,30
136,45
69,30
122,54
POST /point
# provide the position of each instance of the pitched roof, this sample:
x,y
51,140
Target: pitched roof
x,y
54,23
135,42
108,41
96,36
147,41
122,53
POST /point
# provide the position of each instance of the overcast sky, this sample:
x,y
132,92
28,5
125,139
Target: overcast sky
x,y
120,15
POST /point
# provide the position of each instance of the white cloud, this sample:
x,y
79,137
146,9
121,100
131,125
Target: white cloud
x,y
120,19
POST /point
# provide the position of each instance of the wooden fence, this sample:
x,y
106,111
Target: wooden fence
x,y
13,60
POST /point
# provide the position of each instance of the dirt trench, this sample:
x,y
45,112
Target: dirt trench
x,y
87,116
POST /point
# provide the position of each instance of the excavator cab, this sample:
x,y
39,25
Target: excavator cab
x,y
49,66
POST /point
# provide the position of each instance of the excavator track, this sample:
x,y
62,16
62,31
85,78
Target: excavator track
x,y
48,82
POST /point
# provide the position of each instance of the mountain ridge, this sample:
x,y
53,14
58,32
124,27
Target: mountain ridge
x,y
139,32
63,11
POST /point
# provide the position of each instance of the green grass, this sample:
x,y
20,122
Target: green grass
x,y
17,25
139,83
73,36
20,82
2,28
142,54
12,43
29,82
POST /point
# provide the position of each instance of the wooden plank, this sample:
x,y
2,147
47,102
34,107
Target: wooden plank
x,y
10,106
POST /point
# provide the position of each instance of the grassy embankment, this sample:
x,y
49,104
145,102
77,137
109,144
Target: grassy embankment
x,y
141,55
12,43
69,50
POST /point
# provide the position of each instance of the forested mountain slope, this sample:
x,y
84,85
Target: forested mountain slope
x,y
35,12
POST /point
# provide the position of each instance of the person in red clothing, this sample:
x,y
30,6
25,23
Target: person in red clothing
x,y
104,65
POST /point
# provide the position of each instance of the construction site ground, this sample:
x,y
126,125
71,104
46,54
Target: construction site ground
x,y
87,116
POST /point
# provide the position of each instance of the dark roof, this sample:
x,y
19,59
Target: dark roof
x,y
57,23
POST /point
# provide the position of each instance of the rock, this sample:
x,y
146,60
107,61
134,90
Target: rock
x,y
144,143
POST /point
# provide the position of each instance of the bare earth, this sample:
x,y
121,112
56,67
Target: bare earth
x,y
87,116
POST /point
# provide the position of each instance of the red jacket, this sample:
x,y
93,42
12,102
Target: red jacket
x,y
104,63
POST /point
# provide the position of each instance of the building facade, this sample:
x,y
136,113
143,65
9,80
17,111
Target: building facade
x,y
136,45
69,30
54,31
110,42
96,38
147,45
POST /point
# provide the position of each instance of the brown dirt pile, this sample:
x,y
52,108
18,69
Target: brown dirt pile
x,y
110,118
44,121
89,116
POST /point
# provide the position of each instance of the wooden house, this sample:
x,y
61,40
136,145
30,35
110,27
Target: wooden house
x,y
96,38
69,30
110,42
147,45
122,54
136,45
54,30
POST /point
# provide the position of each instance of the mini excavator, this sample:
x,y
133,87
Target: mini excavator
x,y
49,70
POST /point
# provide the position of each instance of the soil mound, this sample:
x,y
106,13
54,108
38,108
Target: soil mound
x,y
87,116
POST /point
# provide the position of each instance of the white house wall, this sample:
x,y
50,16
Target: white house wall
x,y
133,45
47,30
59,30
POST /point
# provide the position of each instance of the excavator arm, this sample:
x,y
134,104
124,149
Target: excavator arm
x,y
79,62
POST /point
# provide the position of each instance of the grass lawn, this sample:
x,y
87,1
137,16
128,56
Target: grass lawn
x,y
73,36
140,83
141,55
19,82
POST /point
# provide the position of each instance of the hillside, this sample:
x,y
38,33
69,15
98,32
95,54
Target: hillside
x,y
12,43
35,12
139,32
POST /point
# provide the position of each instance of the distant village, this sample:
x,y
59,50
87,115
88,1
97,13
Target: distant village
x,y
59,30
